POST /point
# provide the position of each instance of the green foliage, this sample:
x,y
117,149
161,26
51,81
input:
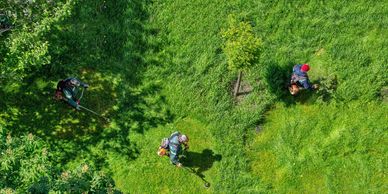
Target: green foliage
x,y
27,47
26,166
27,12
241,44
91,43
327,87
23,160
5,23
83,179
196,82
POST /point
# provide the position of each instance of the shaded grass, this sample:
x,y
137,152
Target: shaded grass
x,y
102,44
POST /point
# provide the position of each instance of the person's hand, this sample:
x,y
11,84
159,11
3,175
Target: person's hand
x,y
86,85
58,95
162,151
294,89
78,101
78,107
315,86
179,165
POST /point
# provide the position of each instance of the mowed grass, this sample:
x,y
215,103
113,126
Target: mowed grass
x,y
338,148
343,41
335,146
149,173
145,60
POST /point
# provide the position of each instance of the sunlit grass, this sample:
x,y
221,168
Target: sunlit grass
x,y
321,148
157,66
153,174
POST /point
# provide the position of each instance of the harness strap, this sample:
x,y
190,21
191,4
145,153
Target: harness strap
x,y
174,135
296,78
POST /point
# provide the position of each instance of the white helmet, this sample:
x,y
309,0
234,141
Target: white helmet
x,y
183,138
74,82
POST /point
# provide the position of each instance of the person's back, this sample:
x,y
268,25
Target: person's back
x,y
300,76
297,69
175,147
68,88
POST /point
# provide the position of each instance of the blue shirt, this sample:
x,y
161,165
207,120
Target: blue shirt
x,y
175,147
300,77
70,91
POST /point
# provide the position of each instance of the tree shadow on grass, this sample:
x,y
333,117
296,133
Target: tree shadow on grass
x,y
103,44
68,132
201,162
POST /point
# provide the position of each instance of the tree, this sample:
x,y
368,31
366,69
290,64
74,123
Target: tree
x,y
25,166
83,180
27,46
241,47
24,161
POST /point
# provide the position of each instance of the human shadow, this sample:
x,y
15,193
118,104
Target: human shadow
x,y
278,78
201,162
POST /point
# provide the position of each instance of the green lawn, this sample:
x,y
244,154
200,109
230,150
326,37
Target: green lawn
x,y
152,174
158,66
331,141
322,148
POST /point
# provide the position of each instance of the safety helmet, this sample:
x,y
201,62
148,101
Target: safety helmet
x,y
74,82
183,138
305,67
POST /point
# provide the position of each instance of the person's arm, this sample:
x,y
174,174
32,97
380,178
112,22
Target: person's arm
x,y
307,85
69,99
296,68
85,85
186,146
174,158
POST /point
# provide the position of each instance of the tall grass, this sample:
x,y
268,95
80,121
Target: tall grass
x,y
322,148
339,39
150,63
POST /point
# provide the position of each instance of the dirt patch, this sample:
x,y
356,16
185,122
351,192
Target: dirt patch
x,y
258,128
245,89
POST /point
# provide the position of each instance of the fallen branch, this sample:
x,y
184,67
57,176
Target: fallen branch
x,y
4,30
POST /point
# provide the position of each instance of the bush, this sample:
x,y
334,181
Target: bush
x,y
241,45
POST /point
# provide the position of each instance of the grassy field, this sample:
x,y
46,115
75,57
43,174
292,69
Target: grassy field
x,y
331,141
322,148
155,67
153,174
